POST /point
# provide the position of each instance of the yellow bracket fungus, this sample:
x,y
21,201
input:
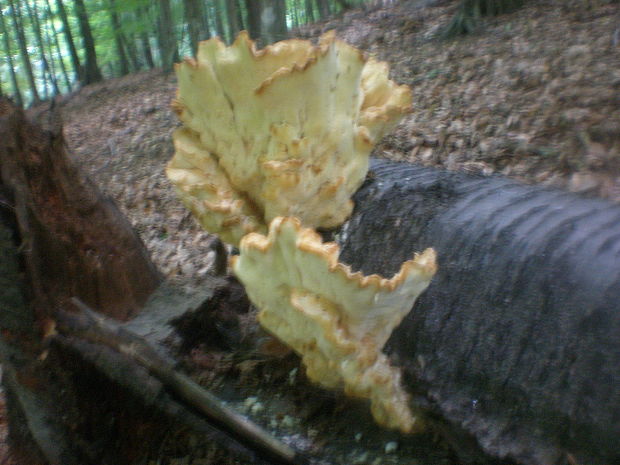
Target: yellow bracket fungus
x,y
283,131
336,320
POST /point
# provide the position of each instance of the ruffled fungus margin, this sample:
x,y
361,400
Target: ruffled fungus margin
x,y
283,131
336,320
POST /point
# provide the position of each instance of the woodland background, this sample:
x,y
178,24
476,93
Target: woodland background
x,y
51,47
532,91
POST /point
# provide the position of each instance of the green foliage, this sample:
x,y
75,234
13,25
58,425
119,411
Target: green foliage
x,y
139,20
469,13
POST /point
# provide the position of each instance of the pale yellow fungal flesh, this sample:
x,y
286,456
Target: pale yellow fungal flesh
x,y
336,320
284,131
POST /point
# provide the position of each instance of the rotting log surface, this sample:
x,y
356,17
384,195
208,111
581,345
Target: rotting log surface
x,y
75,240
517,339
60,237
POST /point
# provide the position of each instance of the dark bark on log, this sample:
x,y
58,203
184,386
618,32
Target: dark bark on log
x,y
516,339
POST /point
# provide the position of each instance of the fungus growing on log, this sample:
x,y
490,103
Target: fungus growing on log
x,y
283,131
336,320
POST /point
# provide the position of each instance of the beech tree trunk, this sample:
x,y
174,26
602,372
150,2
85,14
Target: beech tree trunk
x,y
147,52
91,68
167,40
233,17
254,24
66,29
118,38
195,19
516,339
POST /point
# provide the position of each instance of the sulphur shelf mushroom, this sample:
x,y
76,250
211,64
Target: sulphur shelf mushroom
x,y
336,320
283,131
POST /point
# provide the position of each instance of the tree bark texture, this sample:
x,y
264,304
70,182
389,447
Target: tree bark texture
x,y
66,29
167,38
145,41
91,68
76,242
516,339
118,38
233,18
195,23
253,9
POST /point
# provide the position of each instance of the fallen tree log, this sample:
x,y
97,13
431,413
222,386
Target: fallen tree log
x,y
514,345
516,341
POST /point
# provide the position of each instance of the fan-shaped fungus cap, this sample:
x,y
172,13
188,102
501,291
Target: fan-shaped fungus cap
x,y
336,320
284,131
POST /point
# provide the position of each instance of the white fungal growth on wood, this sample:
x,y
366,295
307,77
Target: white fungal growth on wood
x,y
283,131
336,320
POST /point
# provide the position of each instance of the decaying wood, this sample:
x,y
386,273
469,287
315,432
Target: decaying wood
x,y
97,329
70,401
516,340
75,241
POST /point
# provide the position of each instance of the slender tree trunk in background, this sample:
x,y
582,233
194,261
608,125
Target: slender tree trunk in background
x,y
309,11
33,14
17,95
50,21
91,69
118,38
193,17
129,42
295,14
344,4
23,48
324,8
66,29
253,8
52,64
167,38
145,42
273,21
219,25
241,19
233,17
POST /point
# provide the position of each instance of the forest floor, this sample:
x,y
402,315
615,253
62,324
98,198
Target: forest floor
x,y
534,95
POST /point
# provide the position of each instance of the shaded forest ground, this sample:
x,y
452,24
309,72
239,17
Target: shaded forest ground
x,y
534,95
